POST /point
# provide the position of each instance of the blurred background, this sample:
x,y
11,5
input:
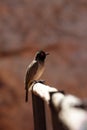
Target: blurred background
x,y
26,26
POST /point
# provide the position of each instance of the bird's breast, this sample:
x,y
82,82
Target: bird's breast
x,y
39,72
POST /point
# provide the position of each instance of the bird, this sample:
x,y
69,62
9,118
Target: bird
x,y
34,70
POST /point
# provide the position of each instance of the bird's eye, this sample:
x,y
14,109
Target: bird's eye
x,y
42,54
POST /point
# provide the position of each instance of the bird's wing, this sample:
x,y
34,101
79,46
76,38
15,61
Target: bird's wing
x,y
31,71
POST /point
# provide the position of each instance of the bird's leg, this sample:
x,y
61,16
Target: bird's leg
x,y
32,84
35,81
41,81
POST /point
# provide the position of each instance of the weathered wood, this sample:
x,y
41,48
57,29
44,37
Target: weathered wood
x,y
65,114
67,111
38,113
56,122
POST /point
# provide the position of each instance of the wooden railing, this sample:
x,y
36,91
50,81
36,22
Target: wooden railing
x,y
67,111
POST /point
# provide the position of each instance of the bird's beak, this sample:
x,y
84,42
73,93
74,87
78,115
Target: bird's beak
x,y
47,53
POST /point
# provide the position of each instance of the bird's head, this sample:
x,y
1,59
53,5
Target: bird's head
x,y
41,55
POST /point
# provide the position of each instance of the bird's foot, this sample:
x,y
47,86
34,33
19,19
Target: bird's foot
x,y
41,81
35,81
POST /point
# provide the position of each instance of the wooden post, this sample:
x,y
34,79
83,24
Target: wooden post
x,y
54,118
67,111
56,122
38,113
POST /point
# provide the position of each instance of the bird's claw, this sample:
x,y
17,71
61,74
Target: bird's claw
x,y
41,81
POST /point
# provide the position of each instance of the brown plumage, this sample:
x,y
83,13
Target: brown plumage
x,y
34,71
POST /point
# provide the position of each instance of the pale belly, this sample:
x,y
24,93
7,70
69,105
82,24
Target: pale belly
x,y
39,72
37,75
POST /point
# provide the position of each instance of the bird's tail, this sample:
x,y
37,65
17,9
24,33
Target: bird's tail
x,y
26,96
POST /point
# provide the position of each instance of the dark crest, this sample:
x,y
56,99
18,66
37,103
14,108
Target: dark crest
x,y
41,55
